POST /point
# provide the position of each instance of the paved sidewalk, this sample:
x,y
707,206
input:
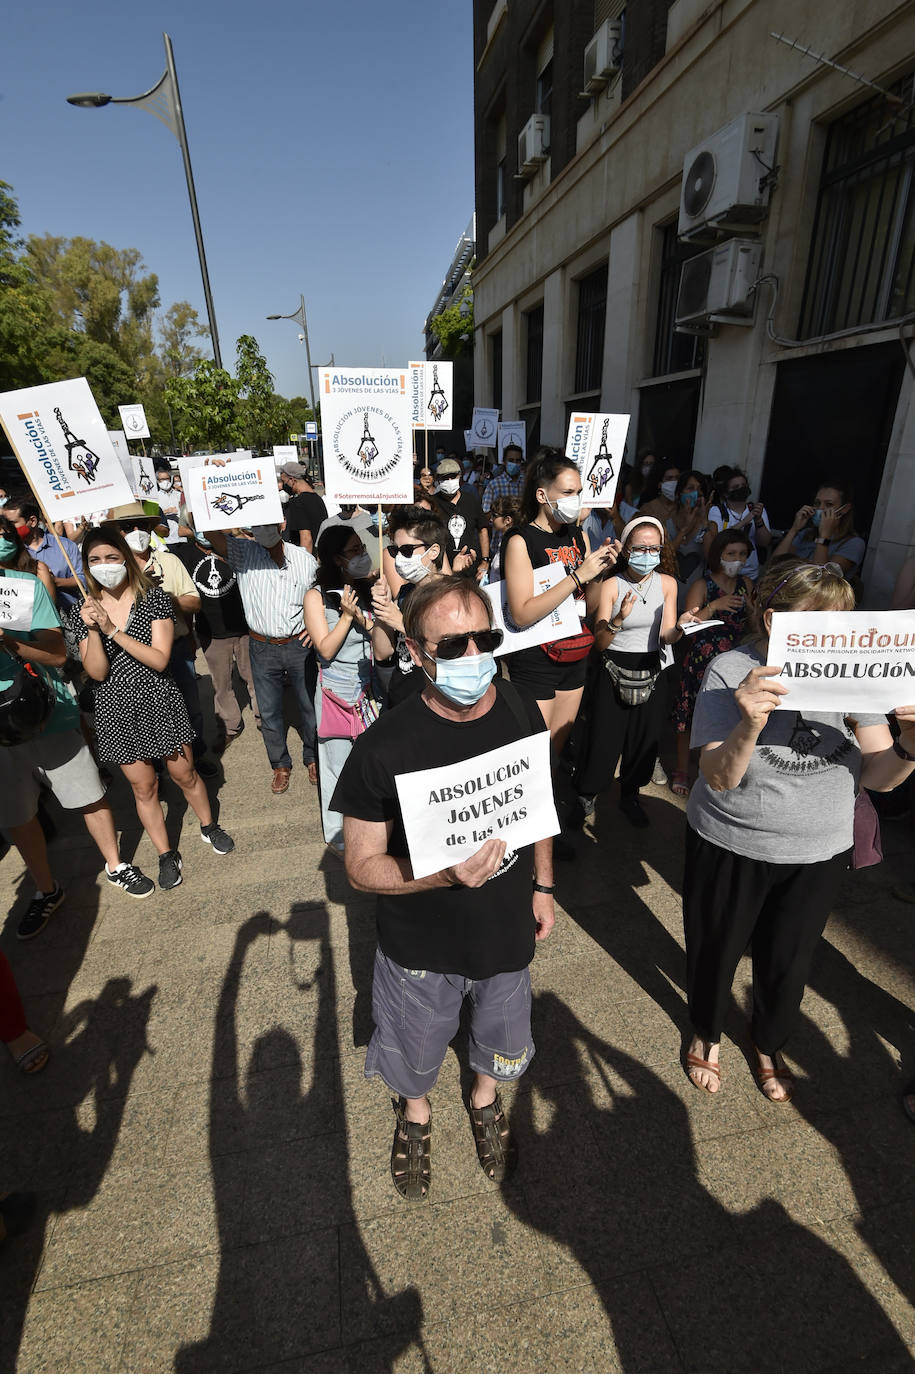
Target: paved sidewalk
x,y
213,1168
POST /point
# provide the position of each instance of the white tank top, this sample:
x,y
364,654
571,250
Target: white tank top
x,y
641,632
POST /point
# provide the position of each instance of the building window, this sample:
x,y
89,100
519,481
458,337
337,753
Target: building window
x,y
534,389
673,352
545,90
592,312
862,257
501,168
496,358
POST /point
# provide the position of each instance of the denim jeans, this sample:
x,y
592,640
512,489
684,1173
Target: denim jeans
x,y
181,667
271,666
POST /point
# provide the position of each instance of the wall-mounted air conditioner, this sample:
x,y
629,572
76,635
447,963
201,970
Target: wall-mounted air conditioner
x,y
533,144
717,286
603,56
728,177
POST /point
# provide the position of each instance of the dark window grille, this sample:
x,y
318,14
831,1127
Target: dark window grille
x,y
534,388
862,257
501,185
673,352
592,313
496,346
545,90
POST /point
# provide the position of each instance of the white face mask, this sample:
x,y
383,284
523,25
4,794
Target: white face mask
x,y
669,489
109,575
449,485
166,485
731,569
411,569
284,496
360,565
567,508
138,540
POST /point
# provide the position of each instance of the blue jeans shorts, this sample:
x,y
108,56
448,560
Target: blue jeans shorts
x,y
416,1015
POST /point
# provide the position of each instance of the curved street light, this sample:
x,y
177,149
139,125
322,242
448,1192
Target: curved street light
x,y
164,101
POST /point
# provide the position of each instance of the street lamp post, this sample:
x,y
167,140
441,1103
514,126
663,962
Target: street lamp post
x,y
164,101
298,316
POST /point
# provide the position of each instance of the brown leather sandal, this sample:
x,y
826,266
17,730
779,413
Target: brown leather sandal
x,y
496,1149
411,1155
776,1075
694,1062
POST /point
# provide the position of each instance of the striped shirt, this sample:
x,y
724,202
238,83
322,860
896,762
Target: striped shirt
x,y
502,485
273,597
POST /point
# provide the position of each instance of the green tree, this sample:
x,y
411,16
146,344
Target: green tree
x,y
26,310
454,327
261,415
178,330
206,407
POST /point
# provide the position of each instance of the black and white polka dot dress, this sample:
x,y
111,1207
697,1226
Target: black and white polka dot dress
x,y
139,713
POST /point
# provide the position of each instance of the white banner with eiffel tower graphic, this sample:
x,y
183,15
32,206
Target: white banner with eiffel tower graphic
x,y
240,492
62,443
438,407
597,442
366,420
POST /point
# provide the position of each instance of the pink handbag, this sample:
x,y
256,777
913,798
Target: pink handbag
x,y
868,849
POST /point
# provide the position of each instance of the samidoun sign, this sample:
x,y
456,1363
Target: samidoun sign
x,y
61,441
506,794
366,419
243,492
596,443
844,661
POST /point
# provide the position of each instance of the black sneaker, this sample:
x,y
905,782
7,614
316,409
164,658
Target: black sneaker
x,y
131,880
215,835
169,869
38,912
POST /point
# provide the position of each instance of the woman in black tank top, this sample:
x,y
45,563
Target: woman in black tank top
x,y
549,533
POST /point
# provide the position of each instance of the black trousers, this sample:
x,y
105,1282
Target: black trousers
x,y
614,734
729,901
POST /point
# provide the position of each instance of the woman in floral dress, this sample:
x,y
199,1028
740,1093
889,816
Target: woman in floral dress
x,y
722,594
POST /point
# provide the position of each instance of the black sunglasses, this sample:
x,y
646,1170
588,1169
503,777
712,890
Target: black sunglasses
x,y
455,646
407,550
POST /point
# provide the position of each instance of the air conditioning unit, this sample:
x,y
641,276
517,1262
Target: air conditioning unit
x,y
533,144
603,56
717,286
727,179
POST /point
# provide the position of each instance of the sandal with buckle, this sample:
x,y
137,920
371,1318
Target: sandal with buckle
x,y
775,1075
706,1066
411,1154
496,1149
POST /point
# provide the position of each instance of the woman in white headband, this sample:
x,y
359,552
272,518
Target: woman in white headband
x,y
636,618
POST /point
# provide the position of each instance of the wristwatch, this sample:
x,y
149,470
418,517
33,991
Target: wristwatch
x,y
542,887
821,541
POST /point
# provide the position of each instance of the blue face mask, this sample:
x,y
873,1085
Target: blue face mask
x,y
689,498
7,548
463,680
816,518
513,469
644,562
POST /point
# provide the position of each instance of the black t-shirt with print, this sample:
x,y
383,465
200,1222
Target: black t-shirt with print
x,y
463,519
472,932
221,614
565,546
306,511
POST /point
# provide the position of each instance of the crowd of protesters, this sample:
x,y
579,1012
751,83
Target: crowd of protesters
x,y
386,640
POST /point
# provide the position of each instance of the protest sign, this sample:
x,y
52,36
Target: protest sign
x,y
133,418
561,623
450,812
144,477
417,387
284,453
244,492
17,597
366,420
468,440
438,395
62,444
119,444
692,627
844,660
483,426
596,442
512,432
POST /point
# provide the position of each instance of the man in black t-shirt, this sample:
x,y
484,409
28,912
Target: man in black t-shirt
x,y
462,515
222,631
465,931
305,512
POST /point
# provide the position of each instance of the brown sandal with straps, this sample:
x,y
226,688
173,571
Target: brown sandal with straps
x,y
411,1155
496,1149
774,1075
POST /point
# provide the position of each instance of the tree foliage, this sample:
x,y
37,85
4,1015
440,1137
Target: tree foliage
x,y
454,327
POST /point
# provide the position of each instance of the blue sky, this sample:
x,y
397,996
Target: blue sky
x,y
332,148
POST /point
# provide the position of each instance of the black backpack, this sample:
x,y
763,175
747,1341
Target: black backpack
x,y
26,706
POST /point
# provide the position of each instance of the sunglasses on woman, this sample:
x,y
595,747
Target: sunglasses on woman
x,y
405,550
455,646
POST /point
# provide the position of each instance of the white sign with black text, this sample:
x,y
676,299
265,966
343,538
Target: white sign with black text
x,y
133,418
119,444
285,453
17,598
596,442
368,444
561,623
417,385
438,395
450,812
242,493
844,661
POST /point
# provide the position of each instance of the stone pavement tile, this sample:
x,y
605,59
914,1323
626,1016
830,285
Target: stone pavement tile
x,y
51,961
837,1070
141,1217
880,1249
735,1108
567,940
793,1164
657,1031
197,950
463,1255
77,1329
161,914
596,976
774,1295
20,1261
253,1306
294,1188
